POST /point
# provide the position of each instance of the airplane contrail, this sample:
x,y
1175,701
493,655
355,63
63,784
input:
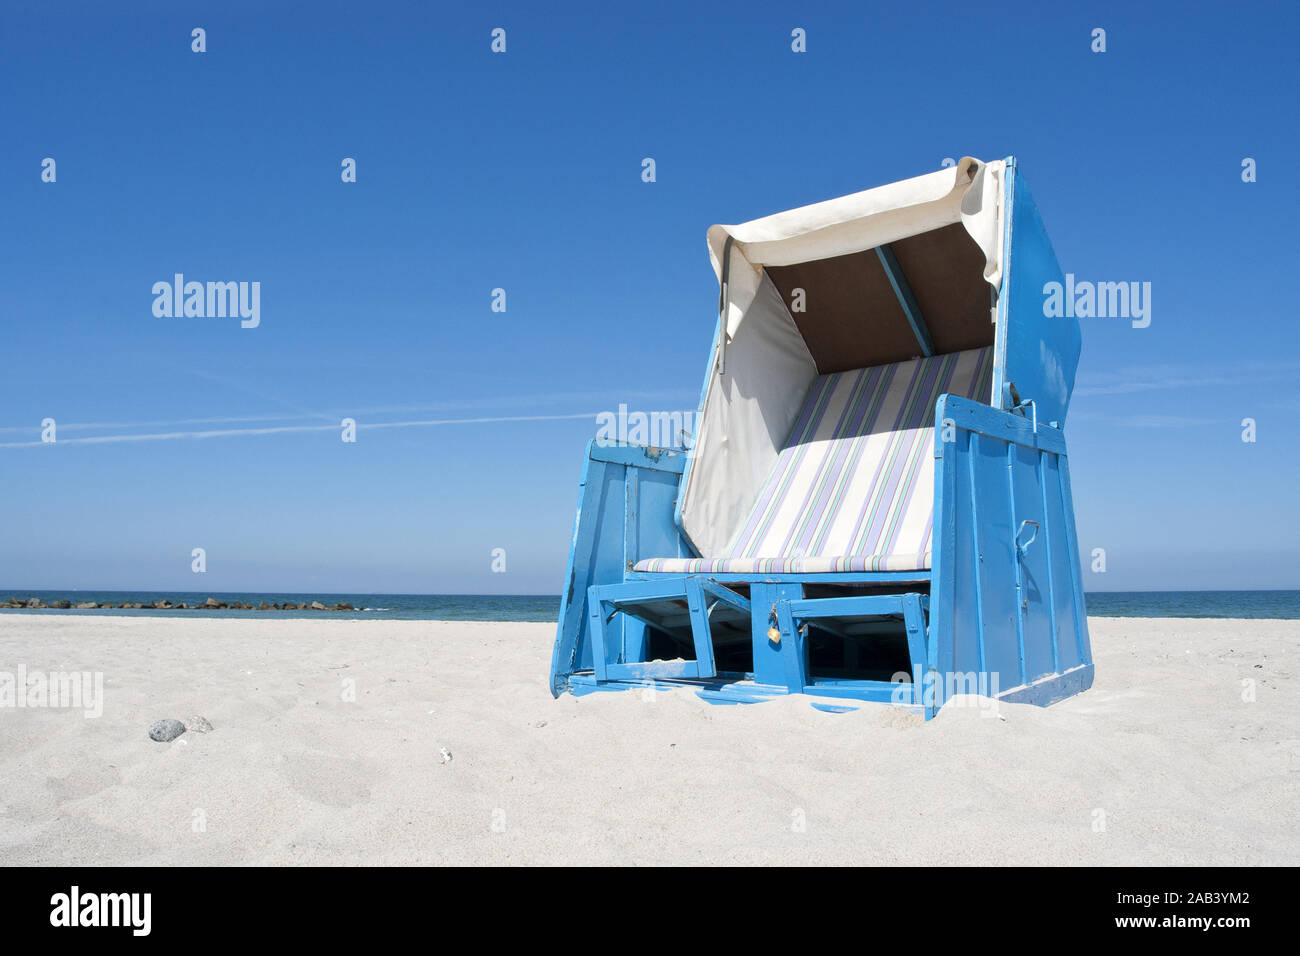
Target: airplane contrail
x,y
283,429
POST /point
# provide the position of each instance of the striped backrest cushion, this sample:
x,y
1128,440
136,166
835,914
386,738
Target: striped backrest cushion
x,y
856,476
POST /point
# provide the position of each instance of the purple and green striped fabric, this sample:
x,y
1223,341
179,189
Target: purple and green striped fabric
x,y
853,489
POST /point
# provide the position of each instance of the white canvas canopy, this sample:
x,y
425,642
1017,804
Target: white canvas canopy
x,y
767,356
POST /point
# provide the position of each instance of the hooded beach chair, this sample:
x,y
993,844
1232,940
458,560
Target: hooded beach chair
x,y
875,504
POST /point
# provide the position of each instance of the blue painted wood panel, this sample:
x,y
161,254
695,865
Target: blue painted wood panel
x,y
1038,354
1012,613
625,512
1036,636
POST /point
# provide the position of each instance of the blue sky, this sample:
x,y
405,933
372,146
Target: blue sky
x,y
522,171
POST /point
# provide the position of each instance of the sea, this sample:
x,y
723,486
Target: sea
x,y
546,608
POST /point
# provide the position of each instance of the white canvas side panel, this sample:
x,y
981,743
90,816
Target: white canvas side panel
x,y
749,409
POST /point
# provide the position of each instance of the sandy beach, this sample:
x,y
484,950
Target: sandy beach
x,y
327,742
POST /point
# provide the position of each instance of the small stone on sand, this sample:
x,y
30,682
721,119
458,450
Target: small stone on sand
x,y
165,731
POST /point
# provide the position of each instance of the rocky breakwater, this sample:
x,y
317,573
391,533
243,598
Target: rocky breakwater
x,y
211,604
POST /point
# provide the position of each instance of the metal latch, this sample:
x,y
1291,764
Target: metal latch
x,y
1022,548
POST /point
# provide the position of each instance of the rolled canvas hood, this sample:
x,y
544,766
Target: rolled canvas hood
x,y
969,192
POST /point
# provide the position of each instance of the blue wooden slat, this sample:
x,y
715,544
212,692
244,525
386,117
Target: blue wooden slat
x,y
769,662
1035,574
860,605
975,556
631,509
794,655
914,623
836,577
653,669
995,585
639,456
1017,564
700,629
725,594
906,301
1004,426
573,600
943,586
596,631
1051,541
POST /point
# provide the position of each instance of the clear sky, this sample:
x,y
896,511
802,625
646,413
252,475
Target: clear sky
x,y
522,171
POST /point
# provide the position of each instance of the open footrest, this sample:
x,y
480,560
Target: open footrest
x,y
882,635
630,621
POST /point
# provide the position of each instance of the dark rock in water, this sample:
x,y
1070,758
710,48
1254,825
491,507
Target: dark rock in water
x,y
136,605
344,606
165,731
212,602
124,604
62,604
162,605
183,606
197,725
86,605
264,606
290,606
317,606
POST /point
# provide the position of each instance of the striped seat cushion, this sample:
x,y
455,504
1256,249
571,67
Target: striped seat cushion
x,y
853,489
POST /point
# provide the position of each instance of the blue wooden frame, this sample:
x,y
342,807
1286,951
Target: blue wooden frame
x,y
1000,612
606,602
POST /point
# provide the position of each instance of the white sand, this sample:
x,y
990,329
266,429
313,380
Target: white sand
x,y
1184,769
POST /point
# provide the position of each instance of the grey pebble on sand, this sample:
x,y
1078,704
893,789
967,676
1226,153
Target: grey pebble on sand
x,y
165,731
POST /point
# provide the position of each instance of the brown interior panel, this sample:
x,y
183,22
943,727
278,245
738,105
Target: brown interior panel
x,y
852,318
945,269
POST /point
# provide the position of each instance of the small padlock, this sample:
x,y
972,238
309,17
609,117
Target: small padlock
x,y
774,634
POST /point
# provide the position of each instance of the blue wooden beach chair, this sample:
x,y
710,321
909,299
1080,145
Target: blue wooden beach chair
x,y
876,501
